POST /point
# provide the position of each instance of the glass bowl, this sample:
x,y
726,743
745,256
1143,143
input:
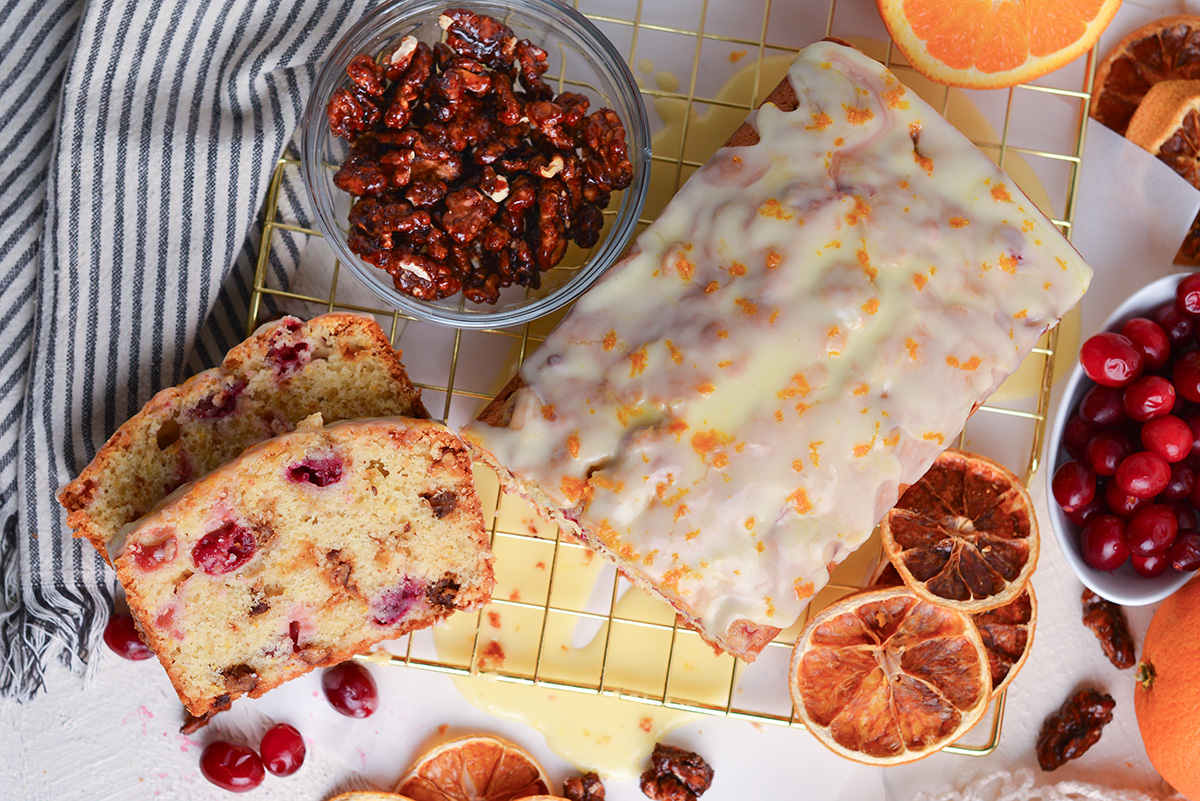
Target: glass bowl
x,y
1123,585
580,60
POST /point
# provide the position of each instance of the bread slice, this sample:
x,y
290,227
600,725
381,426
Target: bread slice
x,y
341,365
303,551
810,321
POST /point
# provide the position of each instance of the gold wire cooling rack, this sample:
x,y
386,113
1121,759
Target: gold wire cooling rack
x,y
556,620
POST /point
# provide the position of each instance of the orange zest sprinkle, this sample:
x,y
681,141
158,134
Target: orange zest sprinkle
x,y
798,466
548,412
1008,263
706,389
821,121
858,116
778,416
804,589
970,364
800,502
684,268
704,442
720,461
676,353
895,98
691,535
1022,314
933,436
747,306
722,333
749,524
677,427
892,440
864,261
774,259
575,489
774,316
871,306
760,546
737,269
813,456
606,483
610,341
1000,194
680,511
862,389
911,345
637,361
919,280
573,446
959,222
773,208
841,140
724,363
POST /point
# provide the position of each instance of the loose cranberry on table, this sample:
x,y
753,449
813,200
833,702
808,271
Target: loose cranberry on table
x,y
231,767
1111,359
121,635
282,750
350,689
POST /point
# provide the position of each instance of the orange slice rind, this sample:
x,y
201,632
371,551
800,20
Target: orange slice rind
x,y
965,535
979,44
1167,124
474,768
883,677
1166,49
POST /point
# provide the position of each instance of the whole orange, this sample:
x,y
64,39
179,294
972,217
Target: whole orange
x,y
1167,695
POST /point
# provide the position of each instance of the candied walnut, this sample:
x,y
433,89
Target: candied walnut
x,y
676,775
443,592
583,788
462,183
1107,622
240,678
338,571
193,723
1074,728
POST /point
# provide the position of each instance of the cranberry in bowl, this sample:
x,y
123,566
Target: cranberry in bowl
x,y
476,164
1124,458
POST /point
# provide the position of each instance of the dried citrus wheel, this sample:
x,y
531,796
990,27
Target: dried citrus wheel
x,y
475,768
1167,49
369,795
1167,123
884,677
1007,631
964,535
985,45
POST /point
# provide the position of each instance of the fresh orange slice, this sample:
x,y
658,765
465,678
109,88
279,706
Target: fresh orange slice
x,y
985,45
883,677
965,535
1166,49
1007,631
474,768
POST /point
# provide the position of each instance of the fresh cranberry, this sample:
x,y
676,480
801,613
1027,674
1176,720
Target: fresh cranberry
x,y
1121,503
1073,485
288,357
121,635
1184,513
1178,325
1184,553
1186,376
1149,338
318,472
393,604
1187,294
154,549
1149,397
350,689
231,767
1151,530
225,549
1102,543
1183,481
1083,514
1102,406
1193,420
282,749
1151,566
1143,474
1169,437
220,403
1106,450
1110,359
1076,434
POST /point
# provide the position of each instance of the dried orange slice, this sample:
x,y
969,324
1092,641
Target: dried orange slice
x,y
474,768
1166,49
1007,631
965,535
985,45
1167,124
884,677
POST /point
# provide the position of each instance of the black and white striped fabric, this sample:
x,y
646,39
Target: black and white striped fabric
x,y
138,138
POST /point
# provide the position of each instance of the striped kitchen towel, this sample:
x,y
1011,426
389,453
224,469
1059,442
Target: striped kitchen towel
x,y
138,138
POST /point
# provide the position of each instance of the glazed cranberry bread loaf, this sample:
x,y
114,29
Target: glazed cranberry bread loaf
x,y
303,551
729,412
340,365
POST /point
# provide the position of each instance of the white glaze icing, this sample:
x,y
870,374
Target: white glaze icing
x,y
808,323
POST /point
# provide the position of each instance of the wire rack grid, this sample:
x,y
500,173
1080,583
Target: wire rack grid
x,y
582,627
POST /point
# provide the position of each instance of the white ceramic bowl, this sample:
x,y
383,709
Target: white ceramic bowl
x,y
1123,585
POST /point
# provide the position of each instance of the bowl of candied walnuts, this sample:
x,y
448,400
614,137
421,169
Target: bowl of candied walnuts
x,y
477,166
